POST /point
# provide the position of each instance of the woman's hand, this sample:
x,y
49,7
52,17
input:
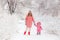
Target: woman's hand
x,y
34,24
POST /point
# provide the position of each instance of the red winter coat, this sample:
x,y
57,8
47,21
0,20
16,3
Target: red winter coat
x,y
29,20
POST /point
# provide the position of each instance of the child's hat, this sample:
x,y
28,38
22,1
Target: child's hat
x,y
38,22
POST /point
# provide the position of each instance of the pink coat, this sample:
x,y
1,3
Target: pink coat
x,y
39,28
29,20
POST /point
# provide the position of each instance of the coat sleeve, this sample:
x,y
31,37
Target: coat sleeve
x,y
35,25
33,20
25,20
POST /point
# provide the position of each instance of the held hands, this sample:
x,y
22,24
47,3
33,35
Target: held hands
x,y
34,24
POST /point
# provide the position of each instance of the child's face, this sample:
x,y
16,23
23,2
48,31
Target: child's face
x,y
38,23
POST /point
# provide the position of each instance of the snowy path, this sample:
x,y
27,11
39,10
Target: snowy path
x,y
11,28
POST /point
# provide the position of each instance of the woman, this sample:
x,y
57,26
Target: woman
x,y
28,21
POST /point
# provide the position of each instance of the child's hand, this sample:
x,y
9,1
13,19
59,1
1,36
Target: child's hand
x,y
34,22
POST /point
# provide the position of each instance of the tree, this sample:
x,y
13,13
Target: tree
x,y
12,5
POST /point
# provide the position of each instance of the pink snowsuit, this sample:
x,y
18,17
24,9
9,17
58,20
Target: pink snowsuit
x,y
29,20
39,28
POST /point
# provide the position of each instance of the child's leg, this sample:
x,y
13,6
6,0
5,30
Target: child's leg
x,y
39,33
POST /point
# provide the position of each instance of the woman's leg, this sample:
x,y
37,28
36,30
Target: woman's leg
x,y
29,29
25,31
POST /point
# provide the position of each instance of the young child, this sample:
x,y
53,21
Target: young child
x,y
28,22
39,28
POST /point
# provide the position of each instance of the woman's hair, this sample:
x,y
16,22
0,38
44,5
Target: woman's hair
x,y
29,13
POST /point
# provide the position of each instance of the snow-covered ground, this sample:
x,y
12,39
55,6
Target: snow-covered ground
x,y
12,28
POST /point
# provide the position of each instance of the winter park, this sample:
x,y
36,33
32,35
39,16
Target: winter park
x,y
29,19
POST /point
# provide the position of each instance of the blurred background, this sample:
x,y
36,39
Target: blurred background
x,y
13,13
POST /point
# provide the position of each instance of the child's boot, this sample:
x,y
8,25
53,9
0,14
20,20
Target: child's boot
x,y
37,33
25,33
28,33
